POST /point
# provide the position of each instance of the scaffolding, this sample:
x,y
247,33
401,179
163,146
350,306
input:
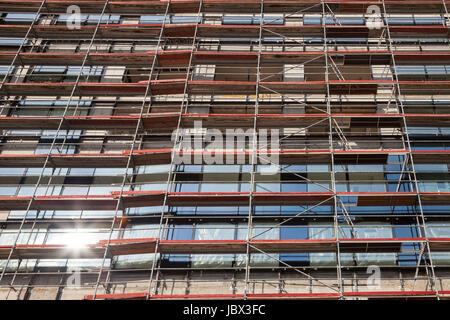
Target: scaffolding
x,y
92,120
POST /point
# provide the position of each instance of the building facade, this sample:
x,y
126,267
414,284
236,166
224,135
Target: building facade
x,y
224,149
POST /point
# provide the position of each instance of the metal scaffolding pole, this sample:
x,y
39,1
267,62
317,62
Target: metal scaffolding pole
x,y
254,146
61,122
129,161
331,147
173,166
399,102
331,122
5,78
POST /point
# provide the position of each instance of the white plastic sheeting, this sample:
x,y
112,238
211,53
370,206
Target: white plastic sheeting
x,y
213,232
229,232
369,230
138,260
8,236
325,231
439,230
71,237
364,231
260,259
75,238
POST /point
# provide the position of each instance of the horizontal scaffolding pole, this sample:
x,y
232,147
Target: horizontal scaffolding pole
x,y
213,6
163,156
291,296
176,86
169,121
187,30
138,199
119,247
180,58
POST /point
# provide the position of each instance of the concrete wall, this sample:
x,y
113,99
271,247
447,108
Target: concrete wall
x,y
45,287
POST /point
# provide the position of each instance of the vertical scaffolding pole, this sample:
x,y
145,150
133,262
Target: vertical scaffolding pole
x,y
60,125
5,78
446,17
175,149
253,164
130,156
331,147
16,56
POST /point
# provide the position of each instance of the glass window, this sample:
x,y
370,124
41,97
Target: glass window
x,y
237,20
375,230
186,187
75,190
439,230
111,171
151,187
268,187
312,20
180,232
153,19
8,191
221,168
49,69
318,168
293,187
345,21
138,260
106,18
405,21
92,18
250,20
213,232
260,231
81,171
325,231
408,257
4,70
429,21
269,21
20,17
186,19
399,21
76,238
365,168
219,187
93,71
162,168
294,232
8,41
